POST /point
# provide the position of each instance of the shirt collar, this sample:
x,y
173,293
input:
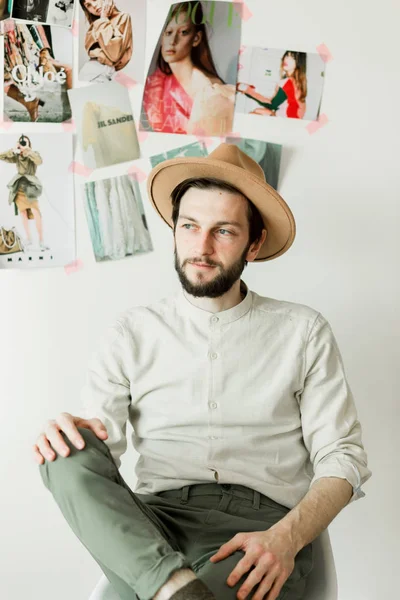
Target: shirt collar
x,y
206,317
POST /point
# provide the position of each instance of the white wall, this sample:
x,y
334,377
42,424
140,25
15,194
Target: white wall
x,y
342,184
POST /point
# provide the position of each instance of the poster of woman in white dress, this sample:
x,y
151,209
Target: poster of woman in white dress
x,y
111,39
37,226
191,82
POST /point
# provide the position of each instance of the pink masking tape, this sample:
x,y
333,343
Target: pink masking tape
x,y
75,28
316,125
240,66
5,123
202,137
242,49
243,10
8,25
74,266
137,173
79,169
142,135
324,53
124,80
69,125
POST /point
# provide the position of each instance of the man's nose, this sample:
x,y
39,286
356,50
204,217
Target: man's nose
x,y
205,244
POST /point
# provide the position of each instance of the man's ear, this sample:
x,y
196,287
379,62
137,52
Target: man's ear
x,y
255,248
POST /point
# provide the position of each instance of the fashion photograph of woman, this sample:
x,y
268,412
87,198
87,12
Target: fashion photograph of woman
x,y
25,188
37,73
60,12
30,10
292,88
190,87
282,83
107,43
37,199
52,12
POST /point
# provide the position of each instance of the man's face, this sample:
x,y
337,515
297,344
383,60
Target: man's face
x,y
211,241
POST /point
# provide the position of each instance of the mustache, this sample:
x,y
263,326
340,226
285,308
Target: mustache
x,y
200,260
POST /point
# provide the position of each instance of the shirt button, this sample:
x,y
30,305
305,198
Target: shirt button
x,y
214,319
213,405
214,355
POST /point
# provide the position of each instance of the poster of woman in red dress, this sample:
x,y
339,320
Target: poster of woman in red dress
x,y
190,87
280,83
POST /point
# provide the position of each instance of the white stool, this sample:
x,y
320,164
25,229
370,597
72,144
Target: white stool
x,y
321,583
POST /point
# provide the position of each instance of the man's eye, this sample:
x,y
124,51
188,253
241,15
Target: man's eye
x,y
188,225
225,230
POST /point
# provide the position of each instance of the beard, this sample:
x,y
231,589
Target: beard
x,y
219,285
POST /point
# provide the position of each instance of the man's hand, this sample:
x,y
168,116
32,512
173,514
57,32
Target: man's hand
x,y
272,552
51,441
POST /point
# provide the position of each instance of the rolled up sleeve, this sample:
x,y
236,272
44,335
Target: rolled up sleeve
x,y
106,393
331,429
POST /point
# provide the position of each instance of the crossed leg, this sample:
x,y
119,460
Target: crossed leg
x,y
136,550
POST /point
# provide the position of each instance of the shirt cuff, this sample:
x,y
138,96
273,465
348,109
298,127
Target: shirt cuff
x,y
344,470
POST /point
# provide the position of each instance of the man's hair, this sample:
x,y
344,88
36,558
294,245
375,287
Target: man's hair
x,y
256,223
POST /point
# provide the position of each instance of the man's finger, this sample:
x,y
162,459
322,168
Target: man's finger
x,y
254,578
97,427
227,549
274,590
242,567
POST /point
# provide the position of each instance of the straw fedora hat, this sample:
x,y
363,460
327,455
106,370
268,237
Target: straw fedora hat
x,y
231,165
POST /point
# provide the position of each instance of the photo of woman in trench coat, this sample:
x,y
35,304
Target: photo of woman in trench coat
x,y
25,188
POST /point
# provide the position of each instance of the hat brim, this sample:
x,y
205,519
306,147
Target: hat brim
x,y
277,216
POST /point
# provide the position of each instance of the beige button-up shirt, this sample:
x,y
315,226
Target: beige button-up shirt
x,y
255,395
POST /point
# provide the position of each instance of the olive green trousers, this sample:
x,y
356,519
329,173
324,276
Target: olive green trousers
x,y
139,540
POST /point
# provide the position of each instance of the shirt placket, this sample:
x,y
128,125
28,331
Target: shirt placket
x,y
214,409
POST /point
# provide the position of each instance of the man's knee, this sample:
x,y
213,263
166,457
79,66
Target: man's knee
x,y
65,470
91,439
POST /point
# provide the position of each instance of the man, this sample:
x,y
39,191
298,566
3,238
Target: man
x,y
245,424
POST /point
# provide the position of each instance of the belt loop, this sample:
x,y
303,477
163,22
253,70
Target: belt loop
x,y
256,500
185,494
